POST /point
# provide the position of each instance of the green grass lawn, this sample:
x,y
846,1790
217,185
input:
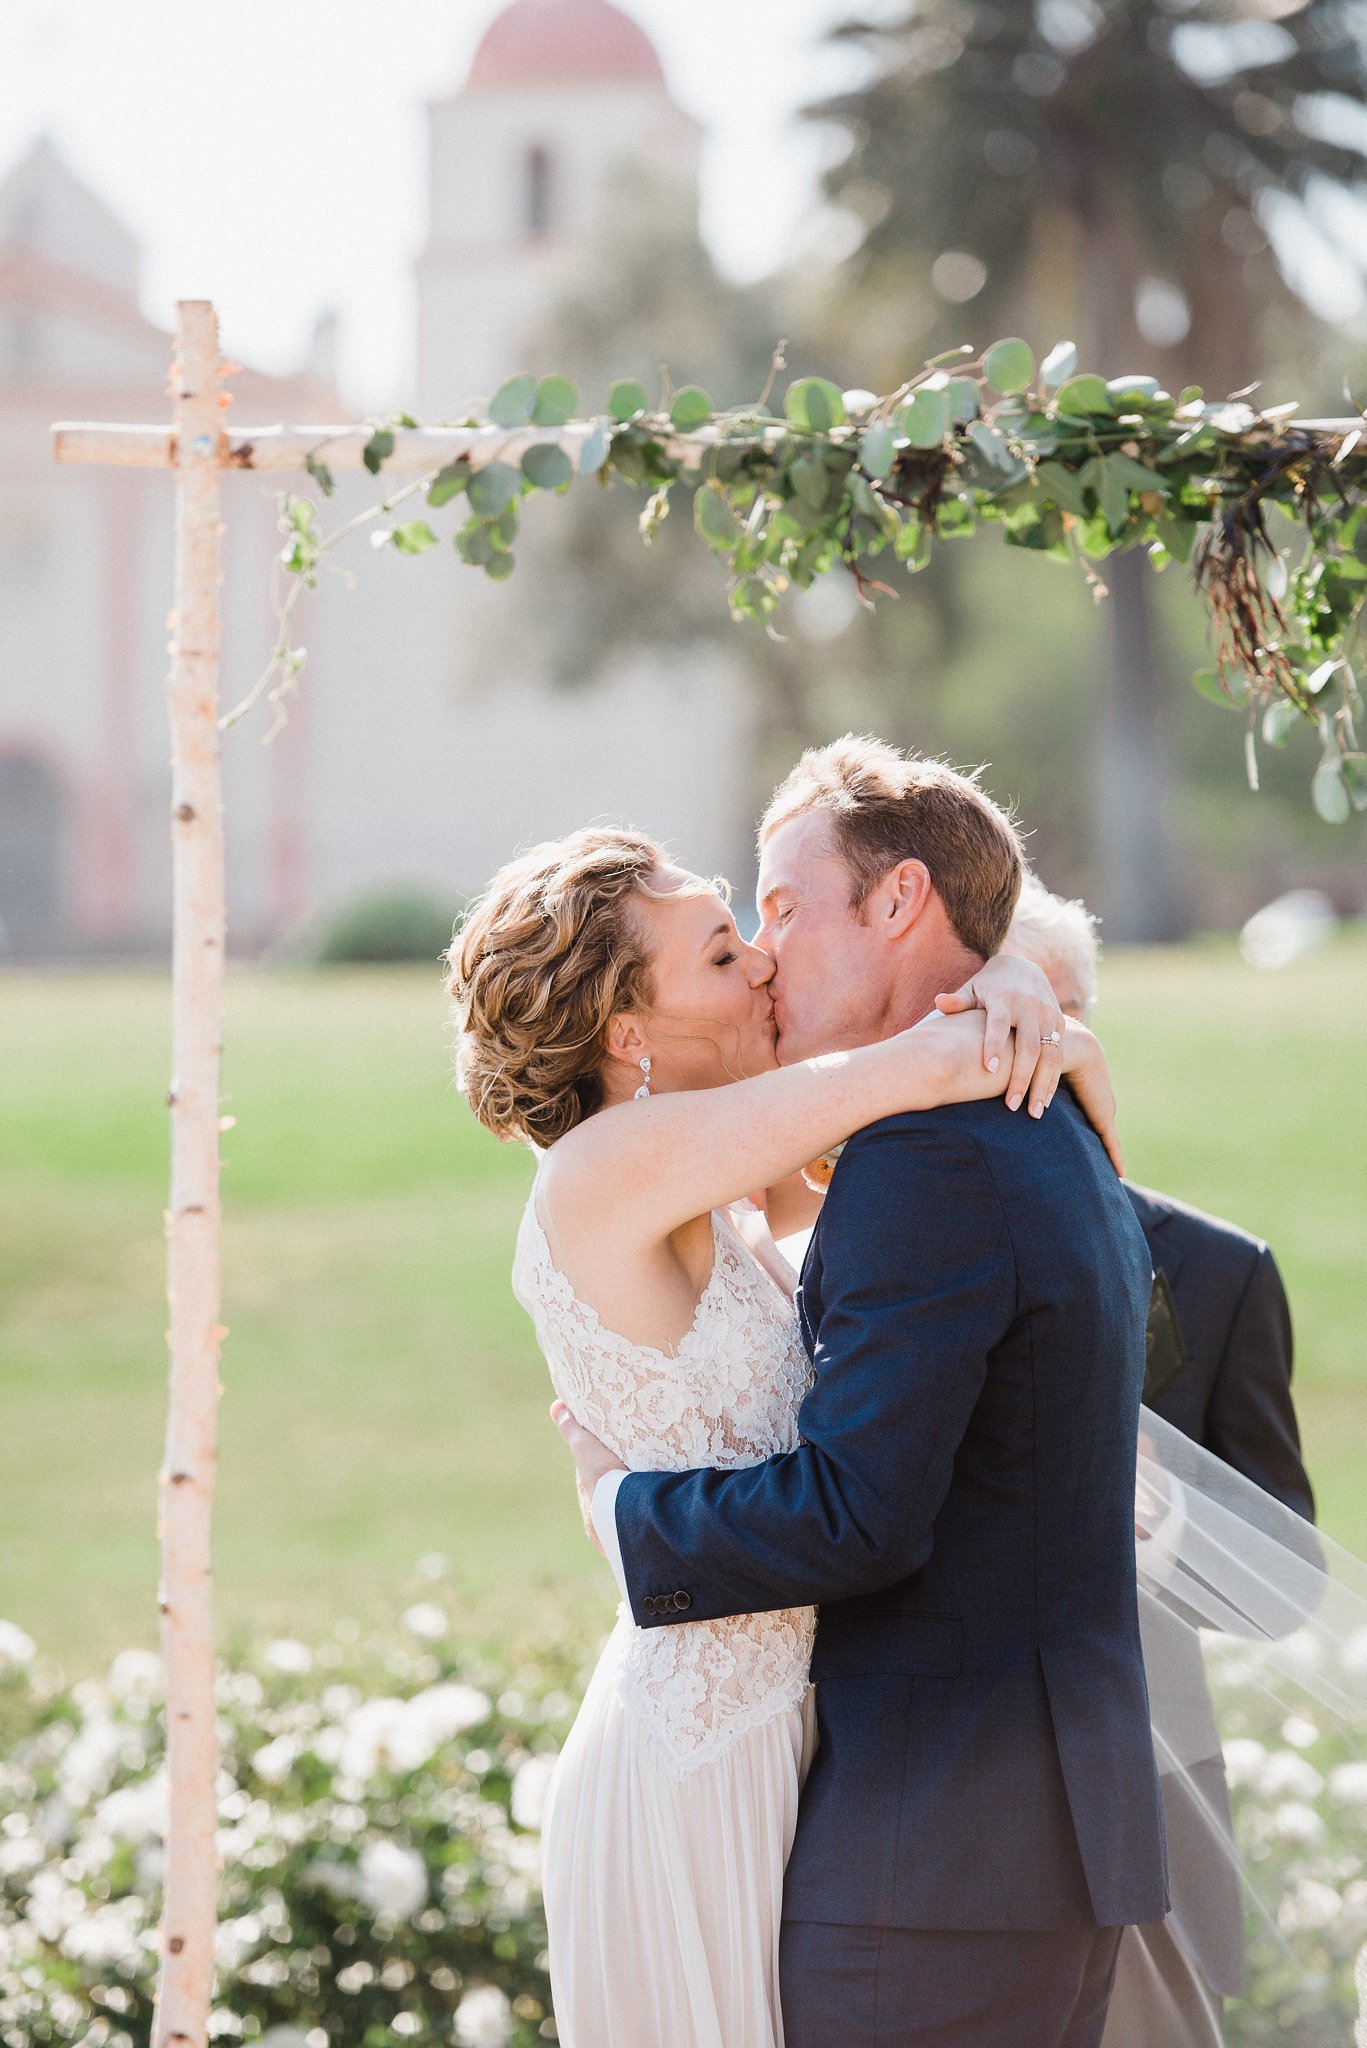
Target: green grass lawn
x,y
382,1396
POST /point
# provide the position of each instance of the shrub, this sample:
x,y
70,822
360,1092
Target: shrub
x,y
378,1815
390,925
379,1806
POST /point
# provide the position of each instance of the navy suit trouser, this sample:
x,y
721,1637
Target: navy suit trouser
x,y
897,1987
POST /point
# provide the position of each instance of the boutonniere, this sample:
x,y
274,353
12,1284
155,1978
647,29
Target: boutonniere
x,y
818,1174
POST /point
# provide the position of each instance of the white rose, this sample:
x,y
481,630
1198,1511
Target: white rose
x,y
484,2018
15,1647
275,1760
1242,1758
392,1879
1348,1782
1286,1776
136,1671
530,1785
1294,1821
1310,1906
290,1656
427,1620
136,1813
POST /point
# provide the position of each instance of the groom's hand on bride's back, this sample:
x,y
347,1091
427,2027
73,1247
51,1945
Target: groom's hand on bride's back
x,y
592,1462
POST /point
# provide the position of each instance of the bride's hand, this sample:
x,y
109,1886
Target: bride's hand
x,y
1085,1065
1017,997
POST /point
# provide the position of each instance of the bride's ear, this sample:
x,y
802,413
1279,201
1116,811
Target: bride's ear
x,y
625,1040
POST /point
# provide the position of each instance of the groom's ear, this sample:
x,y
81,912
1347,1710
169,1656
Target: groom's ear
x,y
901,898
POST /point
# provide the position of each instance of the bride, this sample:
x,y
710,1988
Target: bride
x,y
594,974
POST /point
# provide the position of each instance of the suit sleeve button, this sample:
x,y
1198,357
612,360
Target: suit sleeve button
x,y
648,1604
683,1600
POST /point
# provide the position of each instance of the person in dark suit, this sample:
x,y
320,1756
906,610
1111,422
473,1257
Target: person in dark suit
x,y
1232,1396
982,1816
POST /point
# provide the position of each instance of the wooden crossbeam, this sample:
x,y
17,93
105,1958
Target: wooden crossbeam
x,y
415,448
342,447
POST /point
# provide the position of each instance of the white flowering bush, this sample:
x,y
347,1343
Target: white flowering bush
x,y
378,1809
379,1805
1299,1793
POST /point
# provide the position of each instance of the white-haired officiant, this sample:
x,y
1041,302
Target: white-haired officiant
x,y
1233,1397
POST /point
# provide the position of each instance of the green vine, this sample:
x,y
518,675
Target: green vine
x,y
1066,463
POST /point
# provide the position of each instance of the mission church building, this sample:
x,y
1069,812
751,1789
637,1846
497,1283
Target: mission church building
x,y
422,745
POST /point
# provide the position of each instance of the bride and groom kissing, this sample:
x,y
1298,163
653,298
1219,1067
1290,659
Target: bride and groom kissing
x,y
928,1817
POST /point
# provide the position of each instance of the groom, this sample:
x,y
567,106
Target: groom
x,y
982,1815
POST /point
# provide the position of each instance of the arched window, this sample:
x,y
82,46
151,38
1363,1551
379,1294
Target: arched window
x,y
30,852
538,190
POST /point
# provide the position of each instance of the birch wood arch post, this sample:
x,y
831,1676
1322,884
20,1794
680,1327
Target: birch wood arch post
x,y
186,1484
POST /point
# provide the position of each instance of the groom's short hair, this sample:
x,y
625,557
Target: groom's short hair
x,y
886,807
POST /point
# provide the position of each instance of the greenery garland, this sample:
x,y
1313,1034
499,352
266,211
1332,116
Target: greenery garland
x,y
1067,463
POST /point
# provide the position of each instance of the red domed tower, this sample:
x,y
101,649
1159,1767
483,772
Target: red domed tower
x,y
563,43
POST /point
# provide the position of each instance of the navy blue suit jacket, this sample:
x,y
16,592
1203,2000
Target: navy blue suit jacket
x,y
961,1506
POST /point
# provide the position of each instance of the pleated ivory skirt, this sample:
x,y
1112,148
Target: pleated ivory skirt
x,y
664,1890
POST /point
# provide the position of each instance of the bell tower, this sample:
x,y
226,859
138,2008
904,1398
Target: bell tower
x,y
560,93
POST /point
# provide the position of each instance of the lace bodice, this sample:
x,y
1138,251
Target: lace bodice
x,y
727,1397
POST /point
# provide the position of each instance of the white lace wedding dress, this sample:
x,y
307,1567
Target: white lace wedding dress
x,y
671,1811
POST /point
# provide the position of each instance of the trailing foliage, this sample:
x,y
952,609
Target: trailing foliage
x,y
1271,516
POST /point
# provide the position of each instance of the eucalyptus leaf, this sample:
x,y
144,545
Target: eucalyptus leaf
x,y
878,448
474,543
689,408
499,568
626,400
546,466
992,446
1059,365
924,420
513,403
321,475
811,480
594,452
557,400
1084,395
414,538
1009,365
1354,768
1207,682
449,482
715,521
492,487
913,544
961,395
1279,721
1329,793
814,405
1127,392
377,449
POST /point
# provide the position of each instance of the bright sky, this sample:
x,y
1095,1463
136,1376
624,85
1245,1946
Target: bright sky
x,y
270,153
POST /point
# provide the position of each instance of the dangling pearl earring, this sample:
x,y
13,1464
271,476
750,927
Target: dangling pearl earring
x,y
644,1088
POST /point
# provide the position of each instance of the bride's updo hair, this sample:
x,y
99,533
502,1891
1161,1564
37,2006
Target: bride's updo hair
x,y
544,959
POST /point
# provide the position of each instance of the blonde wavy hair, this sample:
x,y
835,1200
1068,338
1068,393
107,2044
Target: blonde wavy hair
x,y
545,958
